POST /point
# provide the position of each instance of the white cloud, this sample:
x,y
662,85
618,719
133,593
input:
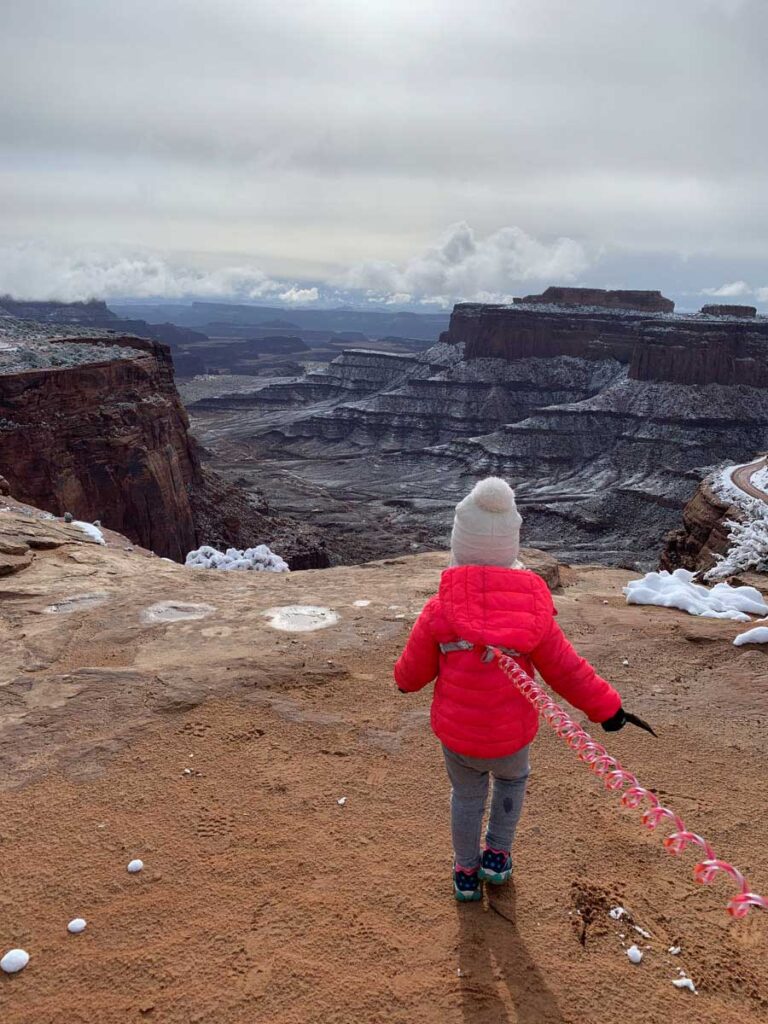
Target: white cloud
x,y
297,296
33,271
728,291
461,266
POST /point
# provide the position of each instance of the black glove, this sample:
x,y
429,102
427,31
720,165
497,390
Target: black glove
x,y
620,719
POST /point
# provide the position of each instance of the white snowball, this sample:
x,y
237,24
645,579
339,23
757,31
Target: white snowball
x,y
635,955
341,801
14,960
76,925
135,865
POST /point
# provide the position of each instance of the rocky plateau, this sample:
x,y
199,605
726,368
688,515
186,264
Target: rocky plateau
x,y
152,711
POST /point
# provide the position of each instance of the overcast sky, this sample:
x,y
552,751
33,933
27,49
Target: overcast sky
x,y
402,151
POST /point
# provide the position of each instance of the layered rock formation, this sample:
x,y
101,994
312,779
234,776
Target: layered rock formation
x,y
108,439
749,312
647,301
602,419
703,534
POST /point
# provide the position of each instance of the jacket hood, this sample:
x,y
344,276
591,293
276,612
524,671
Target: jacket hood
x,y
490,605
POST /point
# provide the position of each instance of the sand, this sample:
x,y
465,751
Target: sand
x,y
217,750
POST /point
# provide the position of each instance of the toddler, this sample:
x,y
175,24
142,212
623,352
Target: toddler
x,y
484,724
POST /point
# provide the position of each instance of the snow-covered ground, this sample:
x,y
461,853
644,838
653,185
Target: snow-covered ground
x,y
677,590
260,559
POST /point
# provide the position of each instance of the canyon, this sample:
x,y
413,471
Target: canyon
x,y
604,419
92,425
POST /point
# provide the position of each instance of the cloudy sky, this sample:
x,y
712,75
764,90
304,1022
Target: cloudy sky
x,y
410,152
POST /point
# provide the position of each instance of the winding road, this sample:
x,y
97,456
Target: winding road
x,y
741,477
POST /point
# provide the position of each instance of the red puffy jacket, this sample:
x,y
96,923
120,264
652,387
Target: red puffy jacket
x,y
476,710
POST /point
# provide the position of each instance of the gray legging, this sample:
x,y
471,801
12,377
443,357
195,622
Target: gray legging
x,y
469,779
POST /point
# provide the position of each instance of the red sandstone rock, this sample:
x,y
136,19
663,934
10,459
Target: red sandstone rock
x,y
748,312
676,349
703,534
646,301
109,440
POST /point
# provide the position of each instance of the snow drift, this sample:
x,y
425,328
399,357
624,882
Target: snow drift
x,y
260,559
677,590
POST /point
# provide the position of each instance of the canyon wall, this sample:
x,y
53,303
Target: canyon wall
x,y
109,440
104,440
695,349
703,534
647,301
603,420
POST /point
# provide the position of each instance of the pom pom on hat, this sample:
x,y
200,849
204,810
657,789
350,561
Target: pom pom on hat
x,y
486,526
493,495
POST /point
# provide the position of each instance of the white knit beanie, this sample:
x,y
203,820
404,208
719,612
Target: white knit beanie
x,y
486,526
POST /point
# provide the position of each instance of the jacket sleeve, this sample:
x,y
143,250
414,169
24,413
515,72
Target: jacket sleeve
x,y
418,663
573,677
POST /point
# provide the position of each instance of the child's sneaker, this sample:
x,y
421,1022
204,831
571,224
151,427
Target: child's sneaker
x,y
495,866
466,885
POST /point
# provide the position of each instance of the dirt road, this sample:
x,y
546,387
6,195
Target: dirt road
x,y
742,478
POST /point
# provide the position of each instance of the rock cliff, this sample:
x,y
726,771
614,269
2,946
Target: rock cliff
x,y
107,438
648,301
602,419
703,534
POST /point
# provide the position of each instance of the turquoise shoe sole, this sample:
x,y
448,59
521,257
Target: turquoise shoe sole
x,y
494,877
468,897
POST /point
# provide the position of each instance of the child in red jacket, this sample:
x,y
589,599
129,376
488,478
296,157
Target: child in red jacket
x,y
484,723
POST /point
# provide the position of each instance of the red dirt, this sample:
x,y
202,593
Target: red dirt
x,y
263,899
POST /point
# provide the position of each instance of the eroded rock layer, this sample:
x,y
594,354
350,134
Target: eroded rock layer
x,y
108,439
603,420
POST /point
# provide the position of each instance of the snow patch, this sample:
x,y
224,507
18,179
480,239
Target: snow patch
x,y
758,635
135,866
635,955
76,925
93,531
361,604
175,611
260,559
301,618
677,590
685,983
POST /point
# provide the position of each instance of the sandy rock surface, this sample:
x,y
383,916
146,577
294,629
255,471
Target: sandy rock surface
x,y
218,750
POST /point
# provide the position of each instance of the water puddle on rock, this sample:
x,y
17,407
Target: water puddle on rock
x,y
77,603
301,618
176,611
